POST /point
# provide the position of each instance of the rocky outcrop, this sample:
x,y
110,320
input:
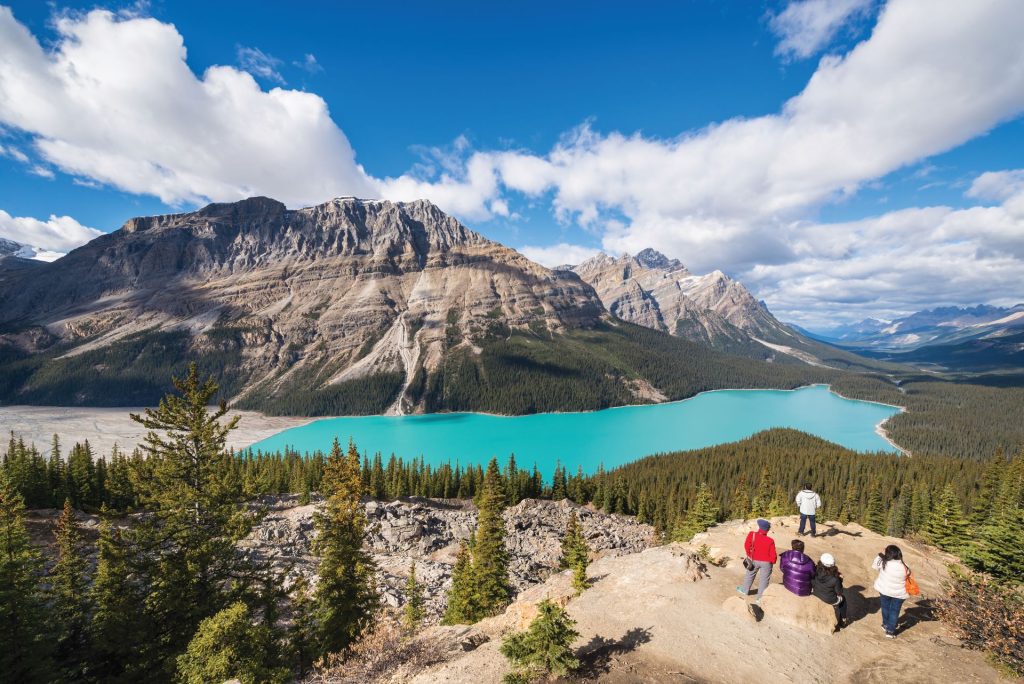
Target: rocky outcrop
x,y
429,532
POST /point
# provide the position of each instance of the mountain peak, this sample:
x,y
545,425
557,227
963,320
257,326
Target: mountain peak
x,y
652,258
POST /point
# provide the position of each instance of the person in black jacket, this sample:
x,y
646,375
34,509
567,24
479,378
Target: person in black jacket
x,y
827,585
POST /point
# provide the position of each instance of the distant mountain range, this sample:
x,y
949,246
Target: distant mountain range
x,y
365,306
961,338
10,248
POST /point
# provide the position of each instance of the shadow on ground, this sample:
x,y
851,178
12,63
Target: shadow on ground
x,y
597,655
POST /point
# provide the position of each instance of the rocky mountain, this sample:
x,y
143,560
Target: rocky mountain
x,y
349,307
652,290
10,248
974,338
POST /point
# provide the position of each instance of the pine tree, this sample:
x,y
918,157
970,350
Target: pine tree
x,y
739,502
461,608
545,647
703,513
228,645
346,595
575,553
849,511
194,493
988,489
117,630
763,498
920,508
779,504
25,652
899,516
490,558
413,611
874,514
947,527
302,637
69,592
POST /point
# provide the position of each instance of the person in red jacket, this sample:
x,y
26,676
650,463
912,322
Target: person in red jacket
x,y
760,549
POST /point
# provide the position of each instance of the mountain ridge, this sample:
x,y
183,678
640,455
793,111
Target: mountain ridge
x,y
351,306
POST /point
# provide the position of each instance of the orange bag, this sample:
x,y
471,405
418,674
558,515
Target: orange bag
x,y
911,583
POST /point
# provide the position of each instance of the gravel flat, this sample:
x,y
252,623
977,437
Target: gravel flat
x,y
104,427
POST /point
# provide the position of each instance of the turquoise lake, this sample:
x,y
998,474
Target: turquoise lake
x,y
612,436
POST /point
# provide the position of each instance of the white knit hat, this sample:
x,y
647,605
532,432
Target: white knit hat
x,y
827,560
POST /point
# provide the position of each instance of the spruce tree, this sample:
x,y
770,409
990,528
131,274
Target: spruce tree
x,y
490,558
25,651
194,493
899,516
920,508
851,502
461,608
739,502
117,630
575,553
874,514
346,595
303,635
947,528
413,611
763,497
988,489
69,595
545,648
703,513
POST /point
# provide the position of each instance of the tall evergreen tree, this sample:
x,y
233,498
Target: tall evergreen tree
x,y
739,502
575,553
920,508
702,514
117,630
195,496
947,527
490,558
874,514
70,600
461,607
346,595
25,651
413,611
303,635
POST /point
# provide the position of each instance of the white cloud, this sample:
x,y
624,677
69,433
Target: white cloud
x,y
558,255
997,185
309,64
114,101
14,153
58,234
259,63
806,26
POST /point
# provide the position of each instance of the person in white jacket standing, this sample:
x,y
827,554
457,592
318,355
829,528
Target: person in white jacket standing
x,y
809,503
891,583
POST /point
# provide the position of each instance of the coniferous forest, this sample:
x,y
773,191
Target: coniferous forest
x,y
202,603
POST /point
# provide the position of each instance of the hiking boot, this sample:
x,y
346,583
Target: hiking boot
x,y
890,635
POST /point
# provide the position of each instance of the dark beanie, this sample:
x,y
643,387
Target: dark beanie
x,y
764,524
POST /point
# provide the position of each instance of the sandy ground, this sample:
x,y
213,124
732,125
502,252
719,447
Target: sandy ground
x,y
644,621
104,427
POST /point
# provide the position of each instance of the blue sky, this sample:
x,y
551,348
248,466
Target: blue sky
x,y
556,128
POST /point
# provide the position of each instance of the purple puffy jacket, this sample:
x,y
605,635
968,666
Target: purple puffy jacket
x,y
797,572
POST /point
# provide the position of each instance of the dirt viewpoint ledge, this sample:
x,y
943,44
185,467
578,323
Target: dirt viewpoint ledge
x,y
663,616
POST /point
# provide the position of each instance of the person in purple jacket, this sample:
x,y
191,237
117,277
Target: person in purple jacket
x,y
797,569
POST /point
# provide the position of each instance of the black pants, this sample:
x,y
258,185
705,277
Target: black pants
x,y
840,609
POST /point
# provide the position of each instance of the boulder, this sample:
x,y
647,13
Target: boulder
x,y
738,607
805,612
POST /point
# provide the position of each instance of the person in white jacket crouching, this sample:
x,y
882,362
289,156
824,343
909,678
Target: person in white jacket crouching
x,y
809,503
891,583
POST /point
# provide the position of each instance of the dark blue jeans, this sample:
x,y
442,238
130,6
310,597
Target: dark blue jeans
x,y
804,519
890,612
